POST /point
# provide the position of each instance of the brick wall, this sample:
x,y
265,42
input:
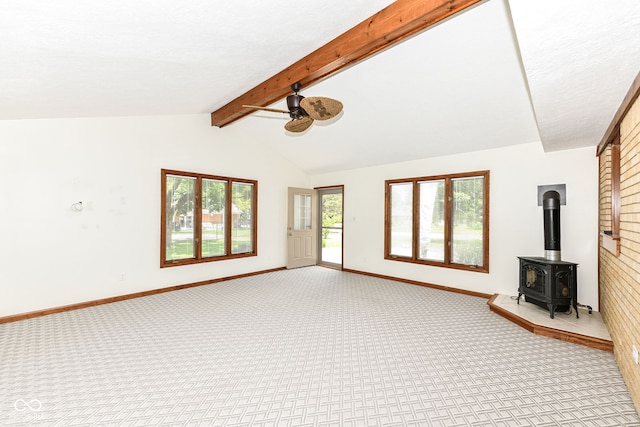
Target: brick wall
x,y
620,275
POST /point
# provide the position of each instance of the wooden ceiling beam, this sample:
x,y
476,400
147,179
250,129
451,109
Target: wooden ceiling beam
x,y
396,22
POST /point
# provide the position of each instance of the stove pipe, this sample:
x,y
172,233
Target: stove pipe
x,y
551,212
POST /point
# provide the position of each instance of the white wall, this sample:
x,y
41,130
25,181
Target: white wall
x,y
516,221
51,256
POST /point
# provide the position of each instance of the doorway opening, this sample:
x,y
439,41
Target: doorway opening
x,y
330,226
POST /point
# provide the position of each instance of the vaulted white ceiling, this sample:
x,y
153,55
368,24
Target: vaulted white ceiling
x,y
501,73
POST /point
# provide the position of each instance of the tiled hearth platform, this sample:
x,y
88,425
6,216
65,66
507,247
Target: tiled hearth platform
x,y
588,330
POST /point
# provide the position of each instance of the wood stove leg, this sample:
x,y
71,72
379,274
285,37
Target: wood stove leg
x,y
519,295
575,307
552,309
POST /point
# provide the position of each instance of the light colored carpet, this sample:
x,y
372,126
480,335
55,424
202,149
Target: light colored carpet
x,y
305,347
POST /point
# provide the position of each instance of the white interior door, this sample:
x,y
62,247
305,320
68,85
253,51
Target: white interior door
x,y
301,228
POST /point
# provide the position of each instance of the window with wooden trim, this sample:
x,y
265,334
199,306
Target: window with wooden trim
x,y
615,187
439,220
207,218
609,159
609,154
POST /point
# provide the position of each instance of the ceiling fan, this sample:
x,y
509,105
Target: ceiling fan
x,y
303,111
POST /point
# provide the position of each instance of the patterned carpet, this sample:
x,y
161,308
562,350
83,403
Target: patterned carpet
x,y
305,347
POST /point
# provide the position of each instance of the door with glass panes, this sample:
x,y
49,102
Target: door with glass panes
x,y
301,228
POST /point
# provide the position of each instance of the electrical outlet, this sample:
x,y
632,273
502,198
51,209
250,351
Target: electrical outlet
x,y
634,354
123,277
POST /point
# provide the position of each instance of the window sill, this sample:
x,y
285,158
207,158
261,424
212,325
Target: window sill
x,y
611,242
474,268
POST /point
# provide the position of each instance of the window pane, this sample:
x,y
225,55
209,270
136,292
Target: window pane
x,y
242,217
432,220
468,198
332,210
401,219
302,212
179,228
213,217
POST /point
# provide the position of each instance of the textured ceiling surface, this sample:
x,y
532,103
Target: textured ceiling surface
x,y
581,58
501,73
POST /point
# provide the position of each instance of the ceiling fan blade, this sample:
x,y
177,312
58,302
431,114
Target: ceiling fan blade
x,y
299,125
273,110
321,108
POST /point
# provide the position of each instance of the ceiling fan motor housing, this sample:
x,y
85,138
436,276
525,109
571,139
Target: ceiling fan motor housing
x,y
295,110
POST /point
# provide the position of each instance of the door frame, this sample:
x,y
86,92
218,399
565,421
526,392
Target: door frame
x,y
333,189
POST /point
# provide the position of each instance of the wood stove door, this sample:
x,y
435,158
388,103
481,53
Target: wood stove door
x,y
533,280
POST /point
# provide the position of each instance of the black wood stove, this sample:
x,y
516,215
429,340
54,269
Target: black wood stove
x,y
547,281
549,284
